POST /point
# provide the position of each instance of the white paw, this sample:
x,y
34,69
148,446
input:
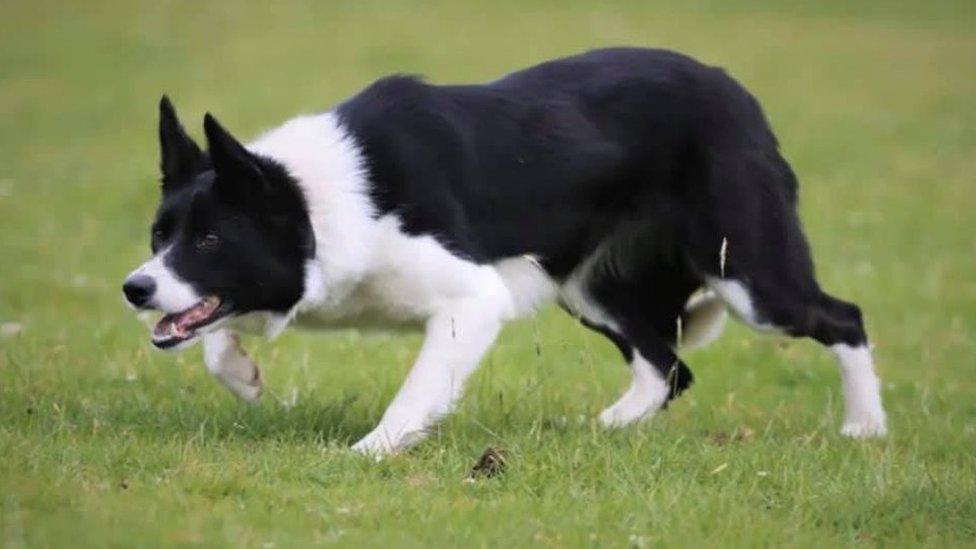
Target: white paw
x,y
864,427
248,391
381,442
228,362
374,444
624,413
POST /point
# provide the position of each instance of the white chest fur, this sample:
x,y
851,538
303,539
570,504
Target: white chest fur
x,y
366,271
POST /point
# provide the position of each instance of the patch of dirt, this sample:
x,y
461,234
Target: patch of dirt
x,y
741,434
492,462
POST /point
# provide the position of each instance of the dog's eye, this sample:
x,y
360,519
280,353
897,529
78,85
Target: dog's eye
x,y
208,242
158,235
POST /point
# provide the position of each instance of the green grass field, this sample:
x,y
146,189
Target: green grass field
x,y
106,442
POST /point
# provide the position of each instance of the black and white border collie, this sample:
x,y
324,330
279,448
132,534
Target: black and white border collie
x,y
641,190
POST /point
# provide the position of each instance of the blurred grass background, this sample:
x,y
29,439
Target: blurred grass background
x,y
104,442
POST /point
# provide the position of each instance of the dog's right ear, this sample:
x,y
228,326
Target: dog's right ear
x,y
180,157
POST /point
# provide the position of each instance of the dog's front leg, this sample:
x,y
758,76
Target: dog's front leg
x,y
456,339
227,362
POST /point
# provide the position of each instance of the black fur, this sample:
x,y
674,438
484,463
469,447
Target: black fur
x,y
646,152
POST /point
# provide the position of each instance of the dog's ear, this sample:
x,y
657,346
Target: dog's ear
x,y
180,157
238,171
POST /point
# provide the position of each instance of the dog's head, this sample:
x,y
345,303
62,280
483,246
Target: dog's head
x,y
231,236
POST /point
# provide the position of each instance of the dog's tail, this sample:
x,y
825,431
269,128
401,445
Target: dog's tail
x,y
702,320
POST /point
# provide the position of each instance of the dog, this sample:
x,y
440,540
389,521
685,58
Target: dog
x,y
641,190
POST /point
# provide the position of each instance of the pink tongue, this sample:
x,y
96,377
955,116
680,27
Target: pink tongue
x,y
179,324
195,314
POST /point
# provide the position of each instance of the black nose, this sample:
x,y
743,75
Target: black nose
x,y
138,289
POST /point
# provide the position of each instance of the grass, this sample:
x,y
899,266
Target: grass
x,y
104,442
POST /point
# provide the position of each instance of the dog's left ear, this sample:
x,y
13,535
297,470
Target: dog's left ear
x,y
238,171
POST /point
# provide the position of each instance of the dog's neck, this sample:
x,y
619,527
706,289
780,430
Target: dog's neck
x,y
328,165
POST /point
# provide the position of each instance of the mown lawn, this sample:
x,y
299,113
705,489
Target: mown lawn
x,y
106,442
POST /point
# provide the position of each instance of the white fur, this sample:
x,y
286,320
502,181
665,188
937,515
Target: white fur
x,y
172,295
706,314
327,163
736,296
369,272
574,295
648,391
864,415
457,337
228,363
528,284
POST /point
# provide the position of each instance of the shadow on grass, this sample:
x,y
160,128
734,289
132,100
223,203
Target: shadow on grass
x,y
311,420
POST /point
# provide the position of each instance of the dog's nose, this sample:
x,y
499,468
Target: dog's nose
x,y
138,289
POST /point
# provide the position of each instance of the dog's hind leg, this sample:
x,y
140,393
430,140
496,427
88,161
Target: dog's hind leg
x,y
835,324
227,362
753,254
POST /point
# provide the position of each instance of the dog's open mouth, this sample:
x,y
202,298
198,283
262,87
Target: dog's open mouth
x,y
175,328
